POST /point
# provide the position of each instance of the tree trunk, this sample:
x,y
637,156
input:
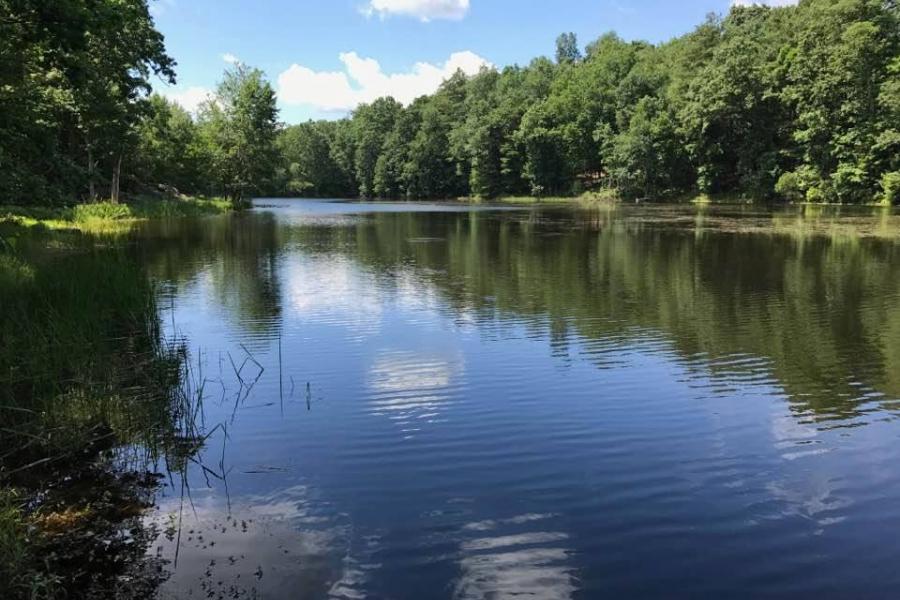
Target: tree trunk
x,y
114,186
92,193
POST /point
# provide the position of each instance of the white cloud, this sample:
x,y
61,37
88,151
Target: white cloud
x,y
362,80
230,58
190,98
425,10
764,2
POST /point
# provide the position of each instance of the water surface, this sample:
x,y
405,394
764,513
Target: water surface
x,y
440,401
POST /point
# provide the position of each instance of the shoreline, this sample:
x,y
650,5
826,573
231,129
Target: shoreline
x,y
597,198
106,217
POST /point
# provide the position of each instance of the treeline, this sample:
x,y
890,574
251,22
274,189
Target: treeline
x,y
797,103
794,103
78,122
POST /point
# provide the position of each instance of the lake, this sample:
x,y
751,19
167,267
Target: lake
x,y
447,401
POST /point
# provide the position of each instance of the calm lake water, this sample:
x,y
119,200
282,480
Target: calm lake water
x,y
437,401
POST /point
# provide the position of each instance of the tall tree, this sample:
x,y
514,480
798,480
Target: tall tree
x,y
391,178
166,155
567,51
240,126
308,162
73,79
372,123
736,124
837,66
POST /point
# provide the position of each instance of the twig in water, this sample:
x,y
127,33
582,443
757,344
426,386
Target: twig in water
x,y
280,378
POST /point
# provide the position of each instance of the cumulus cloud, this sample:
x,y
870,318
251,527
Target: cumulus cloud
x,y
363,80
425,10
190,98
230,58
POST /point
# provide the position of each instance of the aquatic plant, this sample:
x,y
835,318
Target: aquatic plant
x,y
91,396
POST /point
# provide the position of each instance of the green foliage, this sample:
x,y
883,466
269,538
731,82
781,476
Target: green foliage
x,y
648,159
85,371
372,123
790,186
78,120
168,156
796,102
111,218
567,51
309,168
435,167
890,184
839,62
74,76
731,114
392,179
799,103
238,130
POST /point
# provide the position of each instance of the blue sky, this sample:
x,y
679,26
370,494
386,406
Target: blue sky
x,y
326,56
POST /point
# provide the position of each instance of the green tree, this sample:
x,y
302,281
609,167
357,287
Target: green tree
x,y
736,125
567,51
372,123
342,140
391,180
166,156
73,79
308,162
798,102
239,128
838,66
483,132
648,159
560,132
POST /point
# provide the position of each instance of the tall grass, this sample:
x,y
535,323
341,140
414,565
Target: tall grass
x,y
83,370
106,217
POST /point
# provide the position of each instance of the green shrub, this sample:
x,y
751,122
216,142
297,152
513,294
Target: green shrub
x,y
816,194
790,187
890,184
849,184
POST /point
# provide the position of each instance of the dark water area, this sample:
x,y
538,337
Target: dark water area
x,y
441,401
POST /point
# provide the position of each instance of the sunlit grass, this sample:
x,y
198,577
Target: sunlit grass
x,y
604,196
109,218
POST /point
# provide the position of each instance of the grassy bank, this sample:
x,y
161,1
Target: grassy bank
x,y
102,217
90,397
587,198
610,196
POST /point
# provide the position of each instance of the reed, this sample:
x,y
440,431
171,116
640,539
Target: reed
x,y
91,395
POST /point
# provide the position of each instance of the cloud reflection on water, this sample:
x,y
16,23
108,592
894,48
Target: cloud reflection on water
x,y
411,388
502,562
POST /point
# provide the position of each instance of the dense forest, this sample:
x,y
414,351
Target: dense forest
x,y
798,103
79,121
